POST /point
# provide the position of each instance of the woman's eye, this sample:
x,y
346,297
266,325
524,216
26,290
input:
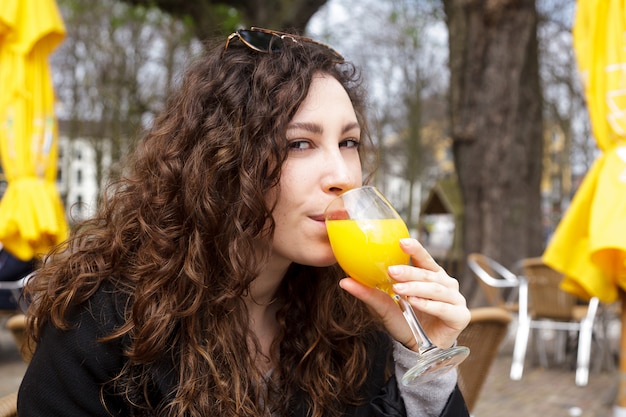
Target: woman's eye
x,y
349,143
299,145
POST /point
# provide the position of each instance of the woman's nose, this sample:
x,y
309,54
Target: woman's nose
x,y
341,174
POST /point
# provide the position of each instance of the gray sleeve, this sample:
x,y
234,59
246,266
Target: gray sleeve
x,y
422,400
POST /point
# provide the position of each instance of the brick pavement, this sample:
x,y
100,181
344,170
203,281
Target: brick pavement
x,y
549,392
11,365
541,392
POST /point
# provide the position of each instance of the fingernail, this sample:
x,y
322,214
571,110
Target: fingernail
x,y
394,270
405,241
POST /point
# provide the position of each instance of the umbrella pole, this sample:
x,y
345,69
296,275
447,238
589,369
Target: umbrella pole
x,y
620,407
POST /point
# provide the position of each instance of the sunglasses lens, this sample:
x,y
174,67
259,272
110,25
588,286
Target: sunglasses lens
x,y
262,41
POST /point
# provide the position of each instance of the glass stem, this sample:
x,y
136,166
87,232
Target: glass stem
x,y
423,342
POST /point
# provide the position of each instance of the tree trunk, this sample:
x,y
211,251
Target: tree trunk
x,y
272,14
496,119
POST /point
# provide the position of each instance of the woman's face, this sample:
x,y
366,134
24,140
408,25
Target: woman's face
x,y
323,162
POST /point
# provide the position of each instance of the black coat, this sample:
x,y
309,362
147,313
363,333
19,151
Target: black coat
x,y
65,374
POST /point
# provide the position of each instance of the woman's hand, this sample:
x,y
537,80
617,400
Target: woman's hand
x,y
432,293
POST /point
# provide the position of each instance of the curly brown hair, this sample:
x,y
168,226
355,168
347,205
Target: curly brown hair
x,y
179,234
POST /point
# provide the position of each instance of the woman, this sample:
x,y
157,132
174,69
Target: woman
x,y
206,285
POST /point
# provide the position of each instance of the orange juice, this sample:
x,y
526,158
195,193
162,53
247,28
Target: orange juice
x,y
365,248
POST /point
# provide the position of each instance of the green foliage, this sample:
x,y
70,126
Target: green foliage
x,y
229,16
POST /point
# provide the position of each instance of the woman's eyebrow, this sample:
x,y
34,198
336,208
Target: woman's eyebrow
x,y
319,129
348,127
309,127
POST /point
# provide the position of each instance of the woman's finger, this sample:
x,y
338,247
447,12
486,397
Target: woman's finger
x,y
419,255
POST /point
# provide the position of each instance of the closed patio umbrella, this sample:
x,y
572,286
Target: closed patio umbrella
x,y
32,218
589,244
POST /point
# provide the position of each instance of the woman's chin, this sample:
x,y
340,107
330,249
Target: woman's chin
x,y
324,261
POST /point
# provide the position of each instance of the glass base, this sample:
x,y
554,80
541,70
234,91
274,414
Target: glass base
x,y
433,363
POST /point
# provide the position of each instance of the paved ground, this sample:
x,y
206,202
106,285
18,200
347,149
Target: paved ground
x,y
549,392
11,365
542,392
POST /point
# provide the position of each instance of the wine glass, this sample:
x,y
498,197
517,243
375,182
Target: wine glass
x,y
364,231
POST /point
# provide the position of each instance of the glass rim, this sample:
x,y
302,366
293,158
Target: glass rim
x,y
361,187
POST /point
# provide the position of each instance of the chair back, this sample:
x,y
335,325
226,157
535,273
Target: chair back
x,y
8,405
544,305
11,295
484,335
492,278
17,326
546,299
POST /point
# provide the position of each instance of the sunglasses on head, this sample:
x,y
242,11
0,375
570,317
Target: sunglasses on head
x,y
268,41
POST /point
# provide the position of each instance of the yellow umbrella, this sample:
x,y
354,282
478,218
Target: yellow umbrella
x,y
589,245
32,218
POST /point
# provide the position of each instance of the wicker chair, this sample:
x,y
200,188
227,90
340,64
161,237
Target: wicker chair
x,y
8,405
484,335
543,305
17,326
494,280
